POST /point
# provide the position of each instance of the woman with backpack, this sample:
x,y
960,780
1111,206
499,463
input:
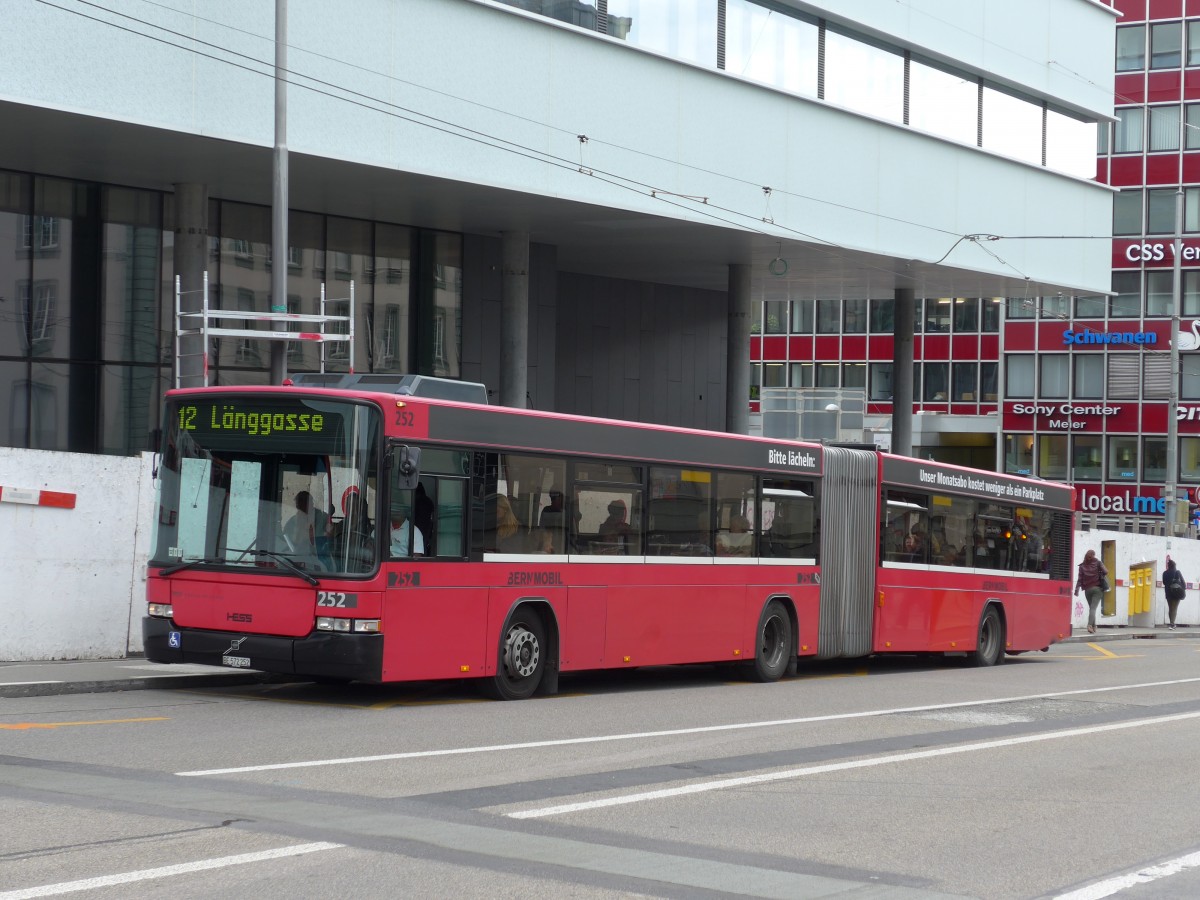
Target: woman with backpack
x,y
1175,588
1091,571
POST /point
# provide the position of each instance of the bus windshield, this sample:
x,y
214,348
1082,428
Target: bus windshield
x,y
276,483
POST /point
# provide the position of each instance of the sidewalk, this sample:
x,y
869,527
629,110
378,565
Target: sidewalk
x,y
93,676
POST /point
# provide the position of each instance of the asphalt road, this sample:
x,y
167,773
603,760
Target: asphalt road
x,y
1064,773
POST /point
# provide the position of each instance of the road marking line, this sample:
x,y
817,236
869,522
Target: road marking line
x,y
674,732
788,774
27,726
87,884
1143,876
17,683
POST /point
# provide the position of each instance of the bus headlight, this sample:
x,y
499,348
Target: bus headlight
x,y
366,626
160,610
328,623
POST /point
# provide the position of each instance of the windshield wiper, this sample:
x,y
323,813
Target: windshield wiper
x,y
201,560
283,561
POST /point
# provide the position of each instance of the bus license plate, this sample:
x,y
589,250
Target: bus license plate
x,y
238,662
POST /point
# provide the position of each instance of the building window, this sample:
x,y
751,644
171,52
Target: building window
x,y
1189,371
883,316
775,315
686,29
936,388
1127,132
1057,306
802,375
1193,43
1160,211
1054,372
338,349
1087,457
991,307
1131,48
943,103
854,375
1126,302
880,382
1018,454
829,316
828,374
1166,45
802,316
966,314
1019,375
1189,458
1191,129
1164,128
989,375
1012,125
1191,293
37,303
1127,212
1191,209
40,233
1089,376
855,312
389,340
1123,458
963,383
937,314
771,46
1091,306
1160,289
863,77
1052,457
1154,459
1021,308
774,375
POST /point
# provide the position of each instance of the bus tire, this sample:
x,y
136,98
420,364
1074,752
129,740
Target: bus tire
x,y
989,648
773,643
522,657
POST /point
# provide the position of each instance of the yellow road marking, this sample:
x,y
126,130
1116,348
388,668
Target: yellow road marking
x,y
27,726
1104,654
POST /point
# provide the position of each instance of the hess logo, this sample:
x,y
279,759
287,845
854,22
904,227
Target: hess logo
x,y
240,617
1145,252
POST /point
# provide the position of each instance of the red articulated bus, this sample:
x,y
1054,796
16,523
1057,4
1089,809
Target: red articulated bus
x,y
351,534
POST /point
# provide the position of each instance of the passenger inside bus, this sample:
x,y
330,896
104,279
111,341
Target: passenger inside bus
x,y
737,541
614,530
508,528
404,534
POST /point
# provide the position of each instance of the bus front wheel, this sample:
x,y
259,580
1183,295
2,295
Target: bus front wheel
x,y
773,647
522,658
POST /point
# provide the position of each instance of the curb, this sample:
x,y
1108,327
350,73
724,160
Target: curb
x,y
161,682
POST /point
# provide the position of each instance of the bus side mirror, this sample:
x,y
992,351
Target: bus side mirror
x,y
408,468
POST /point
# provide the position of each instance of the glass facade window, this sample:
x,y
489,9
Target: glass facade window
x,y
1163,128
775,315
1056,306
1127,212
989,378
1018,454
855,316
1160,211
854,375
1126,301
880,382
1052,456
774,375
1012,125
1089,375
1071,144
802,375
1087,457
684,29
581,13
803,313
828,374
1127,131
937,314
1160,289
943,103
771,46
1189,458
1191,131
863,77
964,383
1123,458
1054,375
1019,372
883,316
1154,459
1191,209
1092,306
990,308
1193,43
1191,293
936,382
1020,308
966,314
1131,48
829,316
1189,374
1166,45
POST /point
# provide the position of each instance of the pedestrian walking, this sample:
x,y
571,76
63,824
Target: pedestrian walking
x,y
1175,588
1093,581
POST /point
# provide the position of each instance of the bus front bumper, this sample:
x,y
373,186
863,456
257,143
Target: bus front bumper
x,y
350,657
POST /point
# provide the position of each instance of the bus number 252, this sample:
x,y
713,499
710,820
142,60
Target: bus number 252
x,y
339,599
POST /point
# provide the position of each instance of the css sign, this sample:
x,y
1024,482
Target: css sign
x,y
1145,252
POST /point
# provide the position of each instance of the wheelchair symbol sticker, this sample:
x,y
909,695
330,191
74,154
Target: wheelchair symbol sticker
x,y
173,639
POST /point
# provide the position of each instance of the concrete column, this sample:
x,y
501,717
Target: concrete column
x,y
514,319
737,356
191,260
902,373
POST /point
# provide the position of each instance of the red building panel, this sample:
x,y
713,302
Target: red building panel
x,y
1130,88
1126,171
1162,87
1102,169
854,347
800,347
1191,167
1126,415
1193,8
827,348
935,347
756,348
1020,337
989,347
963,409
1050,334
774,348
965,347
881,348
1154,418
1164,9
1130,10
1162,168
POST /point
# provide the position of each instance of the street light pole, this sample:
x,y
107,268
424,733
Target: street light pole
x,y
1170,488
279,205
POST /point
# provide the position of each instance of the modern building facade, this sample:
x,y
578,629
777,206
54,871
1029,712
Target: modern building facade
x,y
586,205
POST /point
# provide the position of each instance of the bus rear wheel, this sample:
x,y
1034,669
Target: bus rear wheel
x,y
522,658
989,649
773,646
